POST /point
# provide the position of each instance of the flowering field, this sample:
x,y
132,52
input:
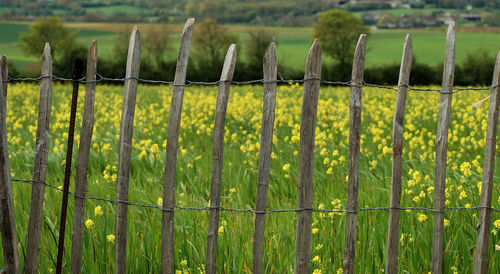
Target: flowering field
x,y
465,160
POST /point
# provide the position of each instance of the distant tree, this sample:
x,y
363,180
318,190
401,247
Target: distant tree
x,y
64,47
477,68
156,43
490,19
338,32
50,30
256,45
211,42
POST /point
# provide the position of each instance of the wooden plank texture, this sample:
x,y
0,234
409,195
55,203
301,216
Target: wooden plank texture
x,y
40,165
306,158
83,161
355,107
270,66
481,259
218,145
7,218
391,265
124,149
167,232
442,149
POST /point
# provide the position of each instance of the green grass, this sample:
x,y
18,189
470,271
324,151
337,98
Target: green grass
x,y
384,46
109,10
240,171
401,11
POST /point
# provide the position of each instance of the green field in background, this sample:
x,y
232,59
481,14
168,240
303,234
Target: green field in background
x,y
384,46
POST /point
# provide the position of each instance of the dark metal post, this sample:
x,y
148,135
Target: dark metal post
x,y
77,74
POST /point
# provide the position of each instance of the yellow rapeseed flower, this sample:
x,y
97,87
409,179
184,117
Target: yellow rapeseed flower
x,y
159,202
286,167
98,211
497,223
89,223
110,238
421,217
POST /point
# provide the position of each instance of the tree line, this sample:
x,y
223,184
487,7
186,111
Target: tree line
x,y
337,30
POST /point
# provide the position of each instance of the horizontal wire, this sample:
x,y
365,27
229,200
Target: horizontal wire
x,y
281,80
269,210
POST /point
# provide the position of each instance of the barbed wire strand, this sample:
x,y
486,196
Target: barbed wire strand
x,y
270,210
281,80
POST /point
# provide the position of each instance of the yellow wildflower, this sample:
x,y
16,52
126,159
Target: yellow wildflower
x,y
159,202
286,167
497,223
421,217
110,238
98,211
89,223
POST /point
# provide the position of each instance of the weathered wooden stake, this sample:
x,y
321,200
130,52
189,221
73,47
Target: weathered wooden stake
x,y
218,145
7,220
83,161
441,150
354,146
40,165
125,146
167,232
391,265
306,158
483,236
266,141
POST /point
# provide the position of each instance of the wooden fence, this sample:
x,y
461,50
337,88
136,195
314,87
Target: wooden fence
x,y
307,137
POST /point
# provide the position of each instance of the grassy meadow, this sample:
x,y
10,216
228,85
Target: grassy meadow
x,y
242,137
384,46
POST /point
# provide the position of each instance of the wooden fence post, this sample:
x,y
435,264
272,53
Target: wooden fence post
x,y
441,150
40,165
354,146
306,158
125,146
167,232
266,141
7,220
83,161
391,265
218,145
483,236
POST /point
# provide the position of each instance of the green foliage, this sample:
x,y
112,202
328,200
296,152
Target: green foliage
x,y
256,47
338,32
64,47
51,30
211,42
477,68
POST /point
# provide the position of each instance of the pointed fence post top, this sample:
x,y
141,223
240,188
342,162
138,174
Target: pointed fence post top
x,y
134,53
188,25
271,52
229,64
93,51
47,61
495,75
360,47
449,62
313,60
408,42
46,51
